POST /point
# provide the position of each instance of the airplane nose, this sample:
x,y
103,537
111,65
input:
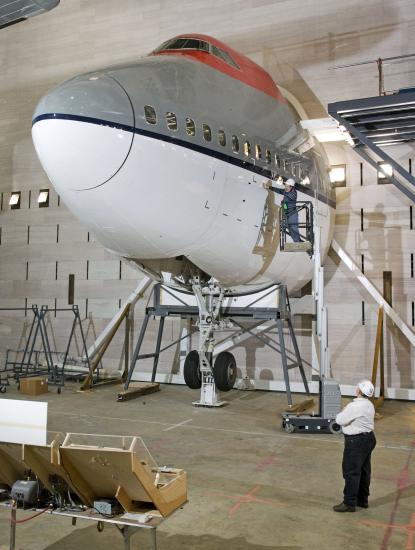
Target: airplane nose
x,y
83,131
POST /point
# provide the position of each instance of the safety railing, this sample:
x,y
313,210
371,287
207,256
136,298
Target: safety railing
x,y
297,224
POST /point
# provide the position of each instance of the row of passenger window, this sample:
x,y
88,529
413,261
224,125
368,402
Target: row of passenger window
x,y
266,156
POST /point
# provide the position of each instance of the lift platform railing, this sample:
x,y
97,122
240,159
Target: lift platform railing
x,y
303,226
380,62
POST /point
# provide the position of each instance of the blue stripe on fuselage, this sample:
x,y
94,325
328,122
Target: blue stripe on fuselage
x,y
193,146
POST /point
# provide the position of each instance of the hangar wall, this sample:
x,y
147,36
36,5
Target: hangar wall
x,y
297,42
374,224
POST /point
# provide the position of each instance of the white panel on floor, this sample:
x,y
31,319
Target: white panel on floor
x,y
23,421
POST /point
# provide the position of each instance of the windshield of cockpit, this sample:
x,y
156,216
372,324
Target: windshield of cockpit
x,y
199,45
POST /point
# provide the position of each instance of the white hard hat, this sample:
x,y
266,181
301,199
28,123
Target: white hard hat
x,y
366,387
290,182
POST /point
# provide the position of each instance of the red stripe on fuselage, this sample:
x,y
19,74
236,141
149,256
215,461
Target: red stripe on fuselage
x,y
249,73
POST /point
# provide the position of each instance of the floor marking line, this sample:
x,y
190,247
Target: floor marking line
x,y
265,463
178,425
113,418
408,528
388,533
248,498
336,440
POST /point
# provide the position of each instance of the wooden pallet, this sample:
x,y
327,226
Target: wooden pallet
x,y
301,407
102,383
137,389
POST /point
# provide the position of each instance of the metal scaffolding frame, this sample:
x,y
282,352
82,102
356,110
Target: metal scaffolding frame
x,y
259,315
29,364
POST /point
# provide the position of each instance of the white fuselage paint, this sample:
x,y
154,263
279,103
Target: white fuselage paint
x,y
162,200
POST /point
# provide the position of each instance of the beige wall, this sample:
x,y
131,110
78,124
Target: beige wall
x,y
298,42
386,244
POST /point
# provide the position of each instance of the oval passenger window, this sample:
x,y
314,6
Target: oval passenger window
x,y
222,138
207,133
171,121
235,144
150,114
190,127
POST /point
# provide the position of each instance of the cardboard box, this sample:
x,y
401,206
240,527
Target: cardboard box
x,y
33,386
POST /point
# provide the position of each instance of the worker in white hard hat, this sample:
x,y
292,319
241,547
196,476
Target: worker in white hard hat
x,y
289,204
357,421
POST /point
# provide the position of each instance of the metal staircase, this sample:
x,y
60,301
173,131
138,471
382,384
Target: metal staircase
x,y
376,122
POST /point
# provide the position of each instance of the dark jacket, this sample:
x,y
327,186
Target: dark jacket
x,y
290,200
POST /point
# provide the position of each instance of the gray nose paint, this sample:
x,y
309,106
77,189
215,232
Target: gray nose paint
x,y
95,96
90,100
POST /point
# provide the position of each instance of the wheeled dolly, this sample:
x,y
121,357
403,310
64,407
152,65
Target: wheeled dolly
x,y
324,422
307,423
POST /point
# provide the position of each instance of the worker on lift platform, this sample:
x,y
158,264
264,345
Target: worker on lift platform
x,y
357,420
289,204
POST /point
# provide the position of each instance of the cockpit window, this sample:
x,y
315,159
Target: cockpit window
x,y
224,56
184,44
171,121
199,45
150,114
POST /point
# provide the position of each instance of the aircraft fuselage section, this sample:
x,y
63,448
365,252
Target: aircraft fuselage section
x,y
183,189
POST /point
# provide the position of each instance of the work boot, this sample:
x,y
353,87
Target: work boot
x,y
342,507
363,504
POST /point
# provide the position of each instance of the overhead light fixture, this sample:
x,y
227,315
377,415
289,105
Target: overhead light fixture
x,y
385,172
329,136
338,175
326,130
14,201
43,198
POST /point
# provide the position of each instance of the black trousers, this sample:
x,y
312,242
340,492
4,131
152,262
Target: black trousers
x,y
356,467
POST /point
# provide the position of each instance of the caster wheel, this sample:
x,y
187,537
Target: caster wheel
x,y
100,526
288,427
334,428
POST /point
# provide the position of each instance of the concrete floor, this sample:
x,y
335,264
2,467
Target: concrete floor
x,y
251,486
